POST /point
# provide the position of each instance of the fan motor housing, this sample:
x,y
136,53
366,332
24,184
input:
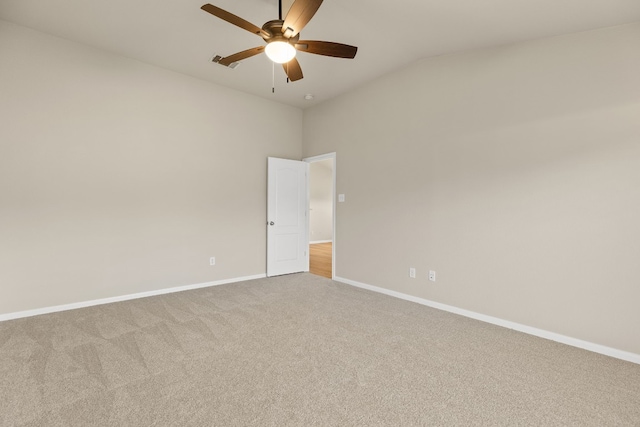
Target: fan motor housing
x,y
274,29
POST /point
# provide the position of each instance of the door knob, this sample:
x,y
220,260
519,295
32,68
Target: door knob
x,y
272,223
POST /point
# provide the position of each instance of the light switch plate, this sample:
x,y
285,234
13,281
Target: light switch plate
x,y
340,198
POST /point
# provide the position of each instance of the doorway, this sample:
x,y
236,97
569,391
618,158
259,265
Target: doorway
x,y
322,185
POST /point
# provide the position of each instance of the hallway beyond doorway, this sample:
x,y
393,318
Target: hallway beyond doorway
x,y
320,259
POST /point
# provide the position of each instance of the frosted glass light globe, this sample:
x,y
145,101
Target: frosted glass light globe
x,y
280,52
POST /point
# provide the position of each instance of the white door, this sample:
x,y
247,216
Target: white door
x,y
287,236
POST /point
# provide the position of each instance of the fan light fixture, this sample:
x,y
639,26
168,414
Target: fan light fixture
x,y
280,52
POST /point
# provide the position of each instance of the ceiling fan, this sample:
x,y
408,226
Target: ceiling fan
x,y
283,37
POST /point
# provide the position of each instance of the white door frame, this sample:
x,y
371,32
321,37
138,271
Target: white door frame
x,y
333,245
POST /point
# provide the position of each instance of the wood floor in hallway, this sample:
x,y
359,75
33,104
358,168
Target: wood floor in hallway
x,y
320,259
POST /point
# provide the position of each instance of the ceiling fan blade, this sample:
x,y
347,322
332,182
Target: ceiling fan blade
x,y
232,19
299,15
293,70
228,60
337,50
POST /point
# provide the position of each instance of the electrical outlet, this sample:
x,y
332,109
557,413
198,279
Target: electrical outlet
x,y
212,260
412,272
432,275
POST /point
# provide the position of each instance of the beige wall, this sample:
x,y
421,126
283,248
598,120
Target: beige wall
x,y
117,177
321,200
513,172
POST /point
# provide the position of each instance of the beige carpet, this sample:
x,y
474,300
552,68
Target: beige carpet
x,y
297,350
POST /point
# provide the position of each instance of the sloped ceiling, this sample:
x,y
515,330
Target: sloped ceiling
x,y
390,34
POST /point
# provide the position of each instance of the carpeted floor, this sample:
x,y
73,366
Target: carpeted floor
x,y
298,350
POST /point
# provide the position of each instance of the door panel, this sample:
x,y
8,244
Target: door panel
x,y
287,237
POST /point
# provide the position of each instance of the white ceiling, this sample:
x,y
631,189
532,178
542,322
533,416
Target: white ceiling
x,y
390,34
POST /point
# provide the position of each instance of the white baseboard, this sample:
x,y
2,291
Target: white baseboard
x,y
320,241
586,345
72,306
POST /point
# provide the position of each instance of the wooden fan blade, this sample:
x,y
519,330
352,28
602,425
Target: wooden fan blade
x,y
293,70
228,60
337,50
299,15
232,19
